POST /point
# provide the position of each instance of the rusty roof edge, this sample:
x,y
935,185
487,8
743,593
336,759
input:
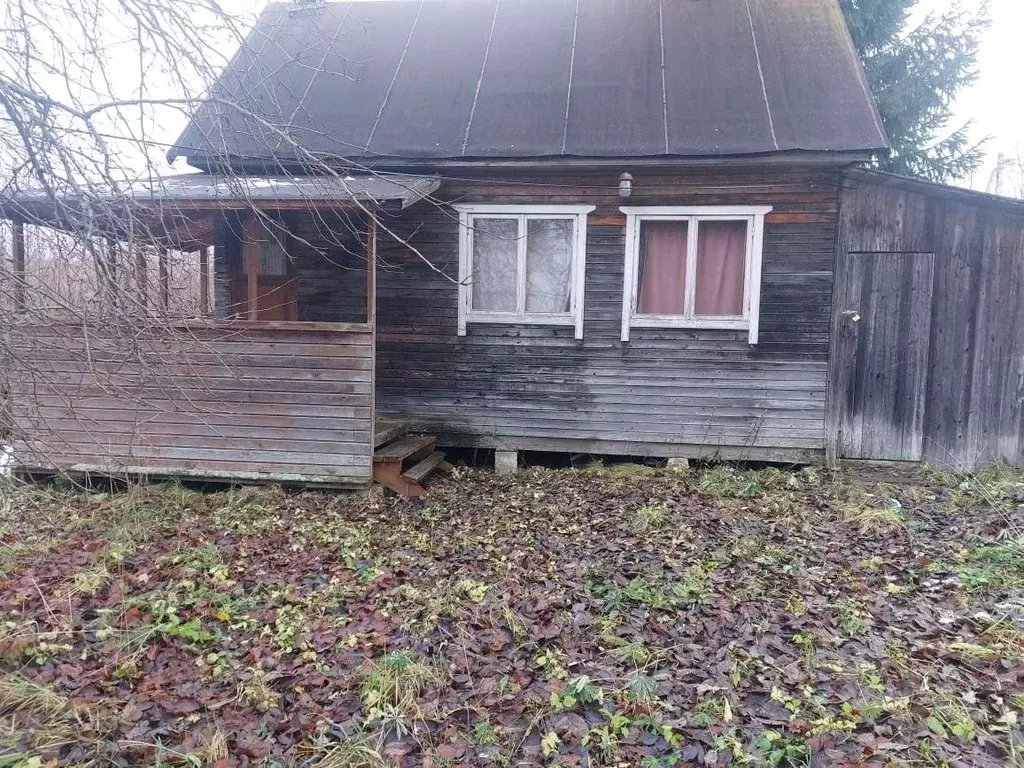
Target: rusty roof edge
x,y
397,164
260,190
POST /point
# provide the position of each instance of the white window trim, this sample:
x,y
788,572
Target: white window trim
x,y
753,215
574,317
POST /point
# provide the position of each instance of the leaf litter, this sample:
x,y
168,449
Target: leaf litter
x,y
609,616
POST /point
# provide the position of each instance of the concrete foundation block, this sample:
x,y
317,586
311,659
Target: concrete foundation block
x,y
506,462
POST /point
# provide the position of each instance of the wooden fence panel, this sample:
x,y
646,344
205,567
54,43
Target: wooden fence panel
x,y
232,402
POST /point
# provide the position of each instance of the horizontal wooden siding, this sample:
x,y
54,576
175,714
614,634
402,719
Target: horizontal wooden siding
x,y
665,392
222,402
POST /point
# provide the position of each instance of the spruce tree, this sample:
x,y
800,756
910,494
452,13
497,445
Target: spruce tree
x,y
915,74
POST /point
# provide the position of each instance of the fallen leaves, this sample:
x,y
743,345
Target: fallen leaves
x,y
616,616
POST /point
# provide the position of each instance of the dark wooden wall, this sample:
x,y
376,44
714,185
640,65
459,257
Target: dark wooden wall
x,y
329,264
665,392
973,389
227,402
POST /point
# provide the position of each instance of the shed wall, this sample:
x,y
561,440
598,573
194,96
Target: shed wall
x,y
975,377
666,392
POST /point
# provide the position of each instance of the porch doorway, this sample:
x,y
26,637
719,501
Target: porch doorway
x,y
293,266
269,280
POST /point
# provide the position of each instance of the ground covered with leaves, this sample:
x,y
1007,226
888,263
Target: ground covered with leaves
x,y
614,616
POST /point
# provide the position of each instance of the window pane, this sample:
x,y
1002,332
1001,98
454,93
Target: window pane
x,y
495,264
549,265
273,256
662,277
721,268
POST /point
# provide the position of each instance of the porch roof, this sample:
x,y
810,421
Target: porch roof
x,y
205,190
204,187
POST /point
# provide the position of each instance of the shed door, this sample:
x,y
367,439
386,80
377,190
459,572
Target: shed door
x,y
883,331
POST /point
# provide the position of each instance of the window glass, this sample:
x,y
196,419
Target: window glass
x,y
495,264
662,265
721,268
273,256
549,249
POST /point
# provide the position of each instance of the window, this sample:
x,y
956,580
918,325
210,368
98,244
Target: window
x,y
274,259
272,238
693,268
520,264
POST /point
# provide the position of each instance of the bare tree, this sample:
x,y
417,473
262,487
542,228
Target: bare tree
x,y
92,93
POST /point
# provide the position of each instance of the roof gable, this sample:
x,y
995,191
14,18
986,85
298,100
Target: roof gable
x,y
444,79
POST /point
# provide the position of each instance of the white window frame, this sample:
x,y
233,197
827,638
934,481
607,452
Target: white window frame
x,y
693,215
523,213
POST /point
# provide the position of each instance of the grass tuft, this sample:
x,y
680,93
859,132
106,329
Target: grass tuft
x,y
635,653
92,580
877,516
390,691
996,487
349,754
650,517
20,695
723,481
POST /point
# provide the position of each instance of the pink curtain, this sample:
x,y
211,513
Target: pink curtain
x,y
721,268
662,278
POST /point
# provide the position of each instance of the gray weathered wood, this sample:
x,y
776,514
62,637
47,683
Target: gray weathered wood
x,y
209,405
668,391
973,400
882,343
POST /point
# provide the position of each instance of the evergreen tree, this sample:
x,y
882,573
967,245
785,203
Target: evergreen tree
x,y
915,74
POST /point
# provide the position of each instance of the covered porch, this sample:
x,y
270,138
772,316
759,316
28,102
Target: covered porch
x,y
267,374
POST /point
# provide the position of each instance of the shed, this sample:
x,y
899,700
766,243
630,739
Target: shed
x,y
928,324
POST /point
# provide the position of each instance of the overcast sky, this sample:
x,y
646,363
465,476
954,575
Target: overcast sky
x,y
996,102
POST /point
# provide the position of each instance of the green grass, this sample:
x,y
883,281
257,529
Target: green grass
x,y
649,517
390,691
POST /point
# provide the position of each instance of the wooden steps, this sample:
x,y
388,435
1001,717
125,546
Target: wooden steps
x,y
421,471
402,462
387,431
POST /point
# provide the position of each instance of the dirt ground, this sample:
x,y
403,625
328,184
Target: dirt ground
x,y
612,616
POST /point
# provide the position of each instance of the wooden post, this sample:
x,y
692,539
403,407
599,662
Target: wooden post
x,y
251,254
107,269
371,270
18,257
204,281
142,277
165,280
371,318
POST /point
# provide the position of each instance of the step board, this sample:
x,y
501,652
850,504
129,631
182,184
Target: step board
x,y
387,431
422,471
410,448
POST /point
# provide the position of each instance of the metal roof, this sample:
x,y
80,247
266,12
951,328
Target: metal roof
x,y
380,188
486,79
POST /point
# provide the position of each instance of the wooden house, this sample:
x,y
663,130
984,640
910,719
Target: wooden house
x,y
625,227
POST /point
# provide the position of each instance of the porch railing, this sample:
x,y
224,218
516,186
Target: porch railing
x,y
286,402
